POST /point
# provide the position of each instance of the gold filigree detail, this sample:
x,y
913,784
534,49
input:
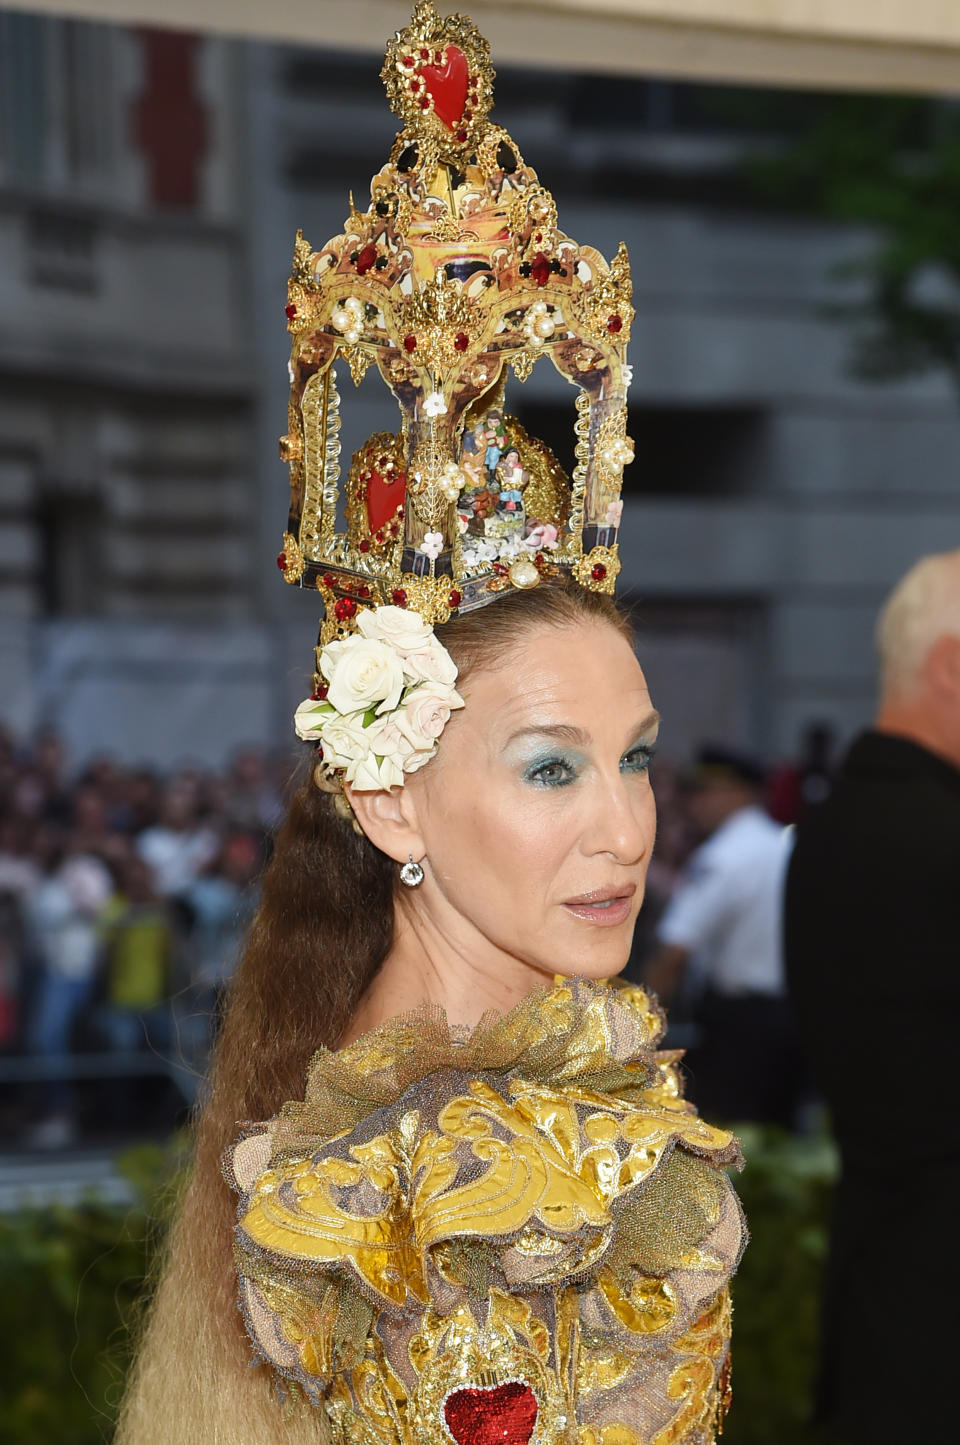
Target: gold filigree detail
x,y
457,1351
302,255
430,596
436,315
410,95
487,158
598,570
610,296
293,559
523,363
614,450
358,360
321,424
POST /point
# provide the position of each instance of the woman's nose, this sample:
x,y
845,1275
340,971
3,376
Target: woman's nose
x,y
623,821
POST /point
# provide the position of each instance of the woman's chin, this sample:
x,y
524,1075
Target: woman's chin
x,y
605,963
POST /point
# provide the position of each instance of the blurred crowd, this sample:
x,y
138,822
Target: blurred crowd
x,y
124,898
125,895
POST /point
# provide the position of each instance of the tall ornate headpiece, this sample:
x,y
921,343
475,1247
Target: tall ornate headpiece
x,y
456,271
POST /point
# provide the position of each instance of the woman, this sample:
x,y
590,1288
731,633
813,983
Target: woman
x,y
481,1210
533,825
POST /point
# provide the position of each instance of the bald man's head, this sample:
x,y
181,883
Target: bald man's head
x,y
923,609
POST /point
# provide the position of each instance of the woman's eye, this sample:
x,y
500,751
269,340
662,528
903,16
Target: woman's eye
x,y
552,774
637,760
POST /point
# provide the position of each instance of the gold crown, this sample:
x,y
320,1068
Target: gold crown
x,y
456,270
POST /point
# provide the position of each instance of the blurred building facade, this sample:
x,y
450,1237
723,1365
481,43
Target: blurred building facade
x,y
127,397
773,502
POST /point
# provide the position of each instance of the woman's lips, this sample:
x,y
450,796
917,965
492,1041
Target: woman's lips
x,y
605,906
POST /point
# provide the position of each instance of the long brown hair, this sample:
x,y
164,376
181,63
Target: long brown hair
x,y
323,929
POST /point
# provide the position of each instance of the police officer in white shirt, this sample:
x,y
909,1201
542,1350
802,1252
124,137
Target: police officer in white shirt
x,y
721,936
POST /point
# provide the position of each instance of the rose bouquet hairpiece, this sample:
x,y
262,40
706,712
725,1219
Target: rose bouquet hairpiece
x,y
387,696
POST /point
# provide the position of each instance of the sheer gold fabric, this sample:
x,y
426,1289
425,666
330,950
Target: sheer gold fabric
x,y
533,1202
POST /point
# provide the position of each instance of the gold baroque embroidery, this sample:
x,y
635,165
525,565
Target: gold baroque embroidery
x,y
483,1226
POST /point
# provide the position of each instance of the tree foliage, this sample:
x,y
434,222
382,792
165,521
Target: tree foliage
x,y
891,164
72,1280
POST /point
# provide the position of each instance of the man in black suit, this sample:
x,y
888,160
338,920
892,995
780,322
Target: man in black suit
x,y
872,920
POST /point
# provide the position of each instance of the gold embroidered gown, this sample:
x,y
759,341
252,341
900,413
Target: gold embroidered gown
x,y
522,1233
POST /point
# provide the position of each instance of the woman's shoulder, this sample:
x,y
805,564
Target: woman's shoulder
x,y
552,1148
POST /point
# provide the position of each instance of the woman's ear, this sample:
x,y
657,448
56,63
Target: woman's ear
x,y
389,820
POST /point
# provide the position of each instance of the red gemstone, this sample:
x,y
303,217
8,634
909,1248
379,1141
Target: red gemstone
x,y
398,597
446,81
282,561
614,323
363,590
409,343
319,694
366,259
455,598
414,85
407,60
540,268
424,55
320,751
345,607
504,1415
291,310
461,135
461,341
499,568
598,572
329,580
425,104
379,536
364,545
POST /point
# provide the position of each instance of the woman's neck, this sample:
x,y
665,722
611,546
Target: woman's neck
x,y
429,963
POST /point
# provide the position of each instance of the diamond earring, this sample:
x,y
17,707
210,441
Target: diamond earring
x,y
411,874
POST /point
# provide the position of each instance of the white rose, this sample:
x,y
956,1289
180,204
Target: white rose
x,y
433,664
415,761
390,741
343,740
310,717
425,713
367,775
401,627
362,674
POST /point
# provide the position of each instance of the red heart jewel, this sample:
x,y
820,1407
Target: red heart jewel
x,y
503,1415
447,87
384,495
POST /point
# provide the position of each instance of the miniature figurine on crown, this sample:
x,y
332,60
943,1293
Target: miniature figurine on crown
x,y
456,270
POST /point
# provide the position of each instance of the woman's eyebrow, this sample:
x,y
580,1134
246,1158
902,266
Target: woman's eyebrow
x,y
564,732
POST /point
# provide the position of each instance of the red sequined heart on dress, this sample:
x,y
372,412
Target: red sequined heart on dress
x,y
385,492
447,87
503,1415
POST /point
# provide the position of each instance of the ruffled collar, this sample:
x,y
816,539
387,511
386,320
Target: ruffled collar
x,y
595,1036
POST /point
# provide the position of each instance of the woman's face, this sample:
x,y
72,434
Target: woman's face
x,y
537,813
